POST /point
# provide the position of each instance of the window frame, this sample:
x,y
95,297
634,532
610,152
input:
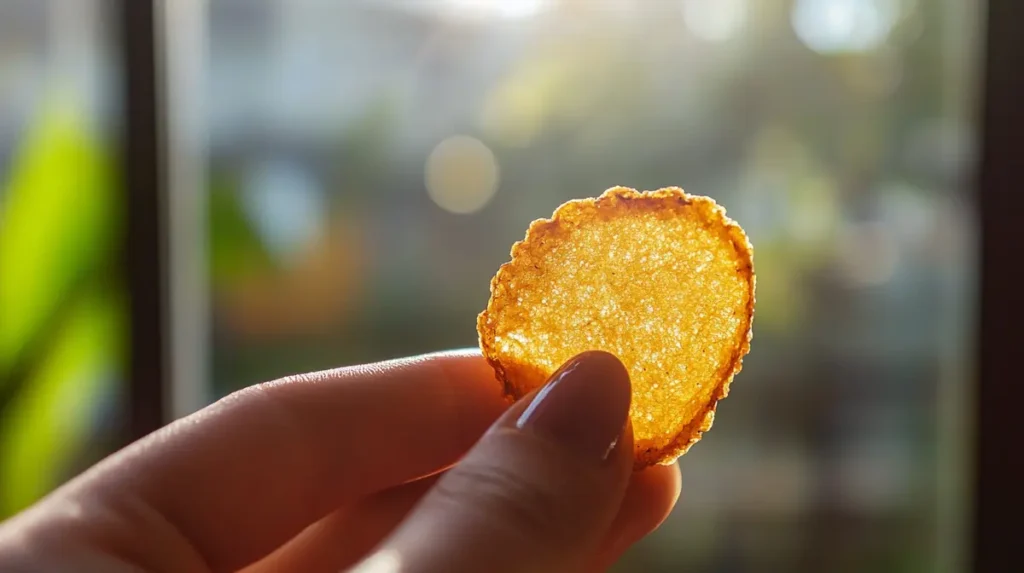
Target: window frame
x,y
144,252
999,201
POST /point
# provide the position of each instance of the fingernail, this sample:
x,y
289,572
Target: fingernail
x,y
584,405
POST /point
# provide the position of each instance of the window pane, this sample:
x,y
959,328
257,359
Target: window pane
x,y
62,338
837,132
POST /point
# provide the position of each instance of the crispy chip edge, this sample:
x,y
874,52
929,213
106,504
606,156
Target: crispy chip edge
x,y
570,211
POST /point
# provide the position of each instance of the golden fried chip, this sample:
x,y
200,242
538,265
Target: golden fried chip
x,y
663,280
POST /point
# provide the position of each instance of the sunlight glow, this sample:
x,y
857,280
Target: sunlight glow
x,y
715,20
495,9
843,26
286,204
387,561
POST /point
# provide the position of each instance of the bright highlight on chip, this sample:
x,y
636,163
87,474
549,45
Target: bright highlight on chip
x,y
662,279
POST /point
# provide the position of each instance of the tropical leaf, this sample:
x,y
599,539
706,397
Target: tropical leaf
x,y
58,222
50,421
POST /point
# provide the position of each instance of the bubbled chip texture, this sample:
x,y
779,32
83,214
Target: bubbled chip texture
x,y
663,280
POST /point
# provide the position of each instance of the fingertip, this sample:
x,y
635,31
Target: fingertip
x,y
649,500
546,480
469,368
672,484
604,359
474,378
653,494
677,481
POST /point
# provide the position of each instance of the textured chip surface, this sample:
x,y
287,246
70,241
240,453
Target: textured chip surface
x,y
662,279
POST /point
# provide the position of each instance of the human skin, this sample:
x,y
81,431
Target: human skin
x,y
412,465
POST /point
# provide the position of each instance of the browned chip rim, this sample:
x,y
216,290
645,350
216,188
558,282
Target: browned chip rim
x,y
669,200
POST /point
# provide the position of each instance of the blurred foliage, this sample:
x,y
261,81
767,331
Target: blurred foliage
x,y
838,160
49,422
236,250
61,329
59,220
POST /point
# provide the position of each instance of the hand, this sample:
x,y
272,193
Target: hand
x,y
366,467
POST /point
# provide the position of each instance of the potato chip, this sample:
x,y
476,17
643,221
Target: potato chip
x,y
663,280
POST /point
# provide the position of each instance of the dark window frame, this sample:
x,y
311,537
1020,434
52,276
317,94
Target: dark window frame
x,y
998,475
144,251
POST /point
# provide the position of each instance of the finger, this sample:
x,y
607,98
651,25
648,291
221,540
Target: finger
x,y
649,500
538,492
346,535
247,474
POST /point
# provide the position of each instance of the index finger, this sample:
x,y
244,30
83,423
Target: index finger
x,y
248,473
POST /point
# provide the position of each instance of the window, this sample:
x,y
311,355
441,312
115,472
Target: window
x,y
840,133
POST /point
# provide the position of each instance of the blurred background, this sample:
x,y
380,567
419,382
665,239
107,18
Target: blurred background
x,y
344,177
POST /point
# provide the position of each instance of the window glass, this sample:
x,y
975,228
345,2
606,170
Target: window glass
x,y
839,133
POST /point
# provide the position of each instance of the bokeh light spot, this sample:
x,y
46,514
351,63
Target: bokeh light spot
x,y
495,9
868,254
461,174
715,20
843,26
286,203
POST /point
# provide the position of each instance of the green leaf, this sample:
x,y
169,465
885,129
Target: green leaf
x,y
58,222
236,249
51,420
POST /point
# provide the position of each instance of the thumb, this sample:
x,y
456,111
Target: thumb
x,y
539,490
